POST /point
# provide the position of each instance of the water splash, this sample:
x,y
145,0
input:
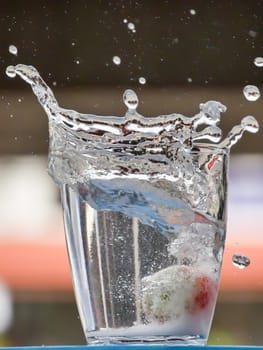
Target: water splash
x,y
251,92
240,261
142,141
13,50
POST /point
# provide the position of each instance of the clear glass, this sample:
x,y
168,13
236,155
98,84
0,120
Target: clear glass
x,y
146,251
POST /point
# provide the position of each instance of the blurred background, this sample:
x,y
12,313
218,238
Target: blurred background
x,y
188,52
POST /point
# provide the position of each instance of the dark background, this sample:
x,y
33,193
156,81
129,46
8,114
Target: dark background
x,y
72,44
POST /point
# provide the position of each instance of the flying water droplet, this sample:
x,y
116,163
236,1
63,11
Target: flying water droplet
x,y
252,33
13,50
192,12
125,20
258,61
10,71
116,60
130,99
240,261
131,27
142,80
251,92
190,80
250,124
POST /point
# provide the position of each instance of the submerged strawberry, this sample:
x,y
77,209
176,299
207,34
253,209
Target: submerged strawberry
x,y
204,292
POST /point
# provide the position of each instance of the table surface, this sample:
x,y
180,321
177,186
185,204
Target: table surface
x,y
135,347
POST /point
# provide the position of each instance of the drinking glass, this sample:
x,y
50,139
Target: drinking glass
x,y
145,215
146,249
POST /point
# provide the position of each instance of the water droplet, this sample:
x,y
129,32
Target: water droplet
x,y
77,61
240,261
252,33
54,83
189,80
250,124
116,60
130,99
131,26
13,50
125,20
19,100
73,43
258,61
192,12
251,92
10,71
142,80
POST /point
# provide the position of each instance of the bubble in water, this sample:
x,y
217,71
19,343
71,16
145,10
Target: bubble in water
x,y
258,61
10,71
251,92
13,50
130,99
240,261
250,124
192,12
142,80
116,60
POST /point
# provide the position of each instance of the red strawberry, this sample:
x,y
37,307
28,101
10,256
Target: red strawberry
x,y
204,291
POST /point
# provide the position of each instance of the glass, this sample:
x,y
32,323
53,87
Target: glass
x,y
146,252
145,215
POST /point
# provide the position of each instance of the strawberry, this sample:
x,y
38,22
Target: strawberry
x,y
204,291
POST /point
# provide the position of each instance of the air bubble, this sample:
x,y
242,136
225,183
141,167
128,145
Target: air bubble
x,y
258,61
240,261
116,60
251,92
130,99
10,71
13,50
142,80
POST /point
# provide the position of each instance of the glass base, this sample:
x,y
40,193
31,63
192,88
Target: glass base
x,y
158,340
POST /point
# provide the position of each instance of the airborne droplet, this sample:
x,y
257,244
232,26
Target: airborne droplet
x,y
251,92
250,124
131,26
116,60
10,71
142,80
240,261
130,99
13,50
258,61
